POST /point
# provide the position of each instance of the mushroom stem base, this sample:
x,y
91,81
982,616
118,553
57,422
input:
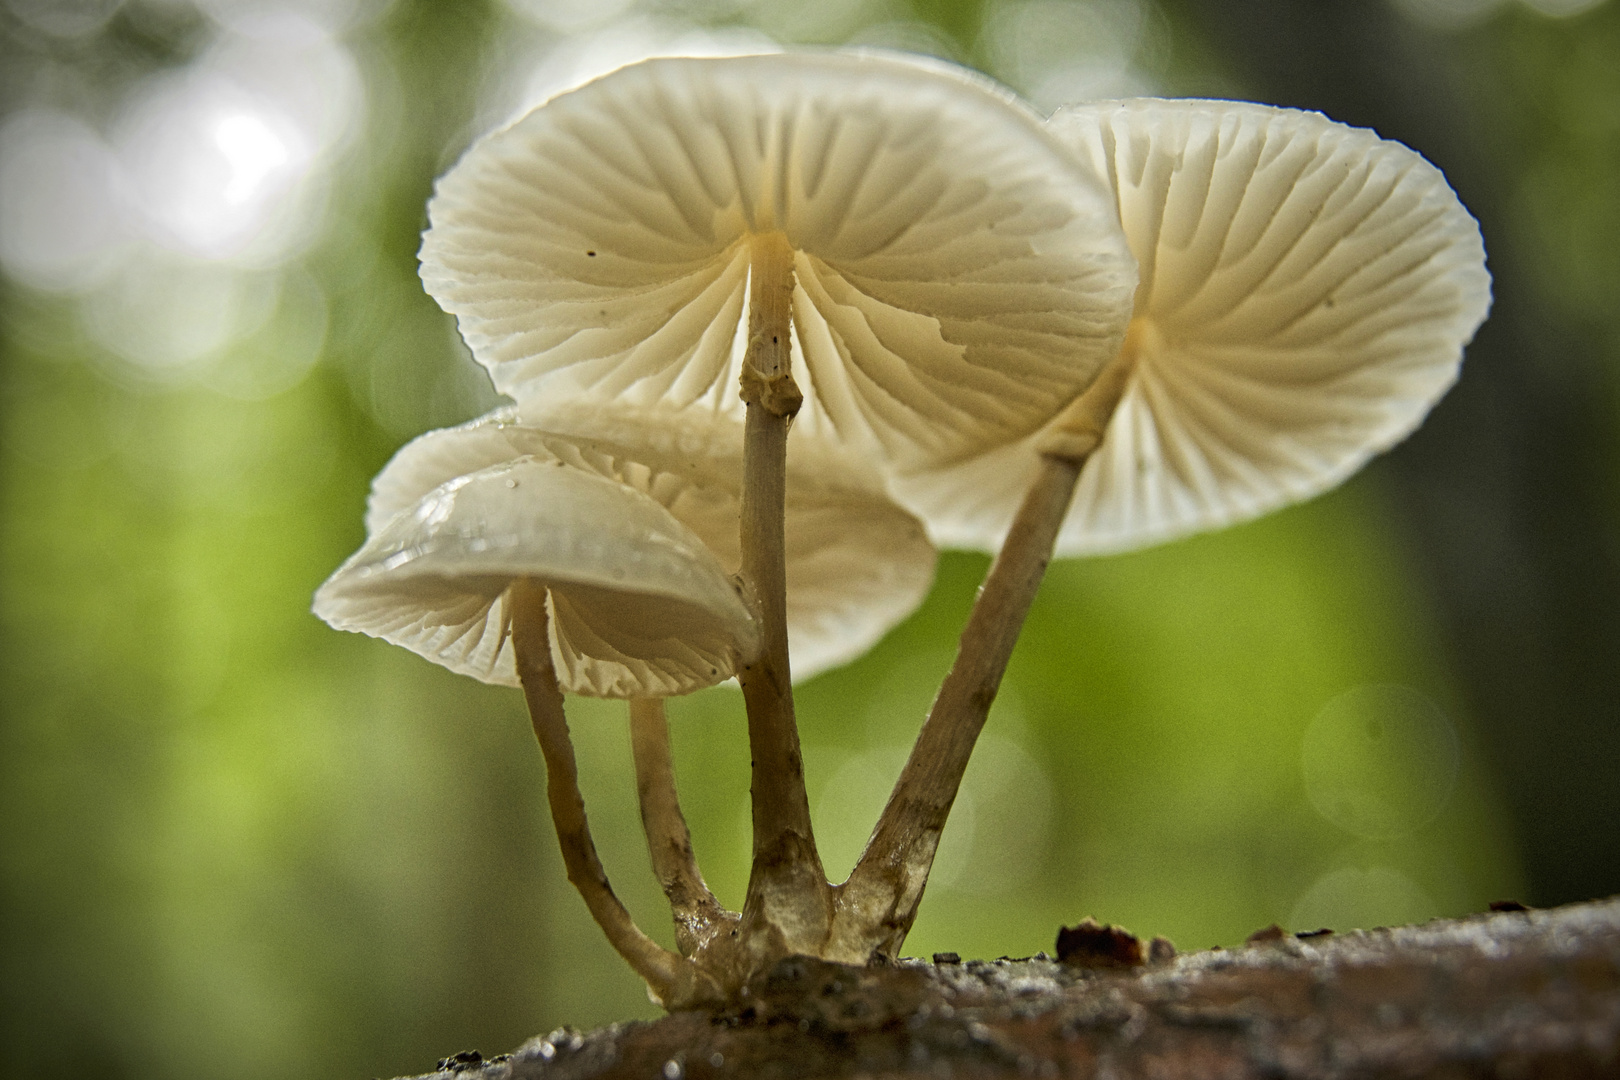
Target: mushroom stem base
x,y
673,979
699,917
877,905
875,908
788,907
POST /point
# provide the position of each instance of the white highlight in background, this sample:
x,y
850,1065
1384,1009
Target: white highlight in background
x,y
63,209
579,59
222,156
1057,52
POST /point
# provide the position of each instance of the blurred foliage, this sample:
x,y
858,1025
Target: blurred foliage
x,y
1507,499
236,844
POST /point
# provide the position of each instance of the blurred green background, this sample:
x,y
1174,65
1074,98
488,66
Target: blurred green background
x,y
236,843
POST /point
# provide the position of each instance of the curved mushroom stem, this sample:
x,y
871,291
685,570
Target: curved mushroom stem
x,y
877,905
673,980
699,917
788,894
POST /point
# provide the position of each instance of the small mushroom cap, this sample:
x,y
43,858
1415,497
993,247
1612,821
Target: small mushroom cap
x,y
639,605
1307,289
959,275
856,563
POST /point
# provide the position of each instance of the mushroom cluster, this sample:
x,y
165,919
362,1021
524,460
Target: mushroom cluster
x,y
776,325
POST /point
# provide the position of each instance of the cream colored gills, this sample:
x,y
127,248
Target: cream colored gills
x,y
1307,290
953,286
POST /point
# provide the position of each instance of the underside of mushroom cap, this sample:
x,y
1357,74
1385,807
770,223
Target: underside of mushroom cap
x,y
856,562
639,605
1307,290
959,276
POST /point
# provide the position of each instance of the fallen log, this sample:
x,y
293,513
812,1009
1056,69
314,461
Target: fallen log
x,y
1513,993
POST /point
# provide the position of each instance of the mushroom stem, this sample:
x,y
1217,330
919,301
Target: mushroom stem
x,y
787,889
698,915
877,905
673,980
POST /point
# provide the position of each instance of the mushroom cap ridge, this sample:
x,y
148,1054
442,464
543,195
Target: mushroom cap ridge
x,y
959,274
1307,291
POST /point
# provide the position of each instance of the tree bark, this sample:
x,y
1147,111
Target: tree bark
x,y
1507,994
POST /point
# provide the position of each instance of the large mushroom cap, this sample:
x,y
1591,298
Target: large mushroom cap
x,y
639,605
856,563
959,276
1306,292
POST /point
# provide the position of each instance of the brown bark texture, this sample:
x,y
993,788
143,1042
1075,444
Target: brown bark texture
x,y
1514,993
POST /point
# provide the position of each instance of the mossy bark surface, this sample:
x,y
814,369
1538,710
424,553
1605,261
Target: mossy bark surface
x,y
1505,994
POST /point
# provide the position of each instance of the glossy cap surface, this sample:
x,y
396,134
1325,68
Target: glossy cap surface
x,y
856,563
639,605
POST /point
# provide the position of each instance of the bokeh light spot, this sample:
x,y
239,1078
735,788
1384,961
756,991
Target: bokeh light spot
x,y
64,18
569,16
578,60
1454,16
1563,9
254,152
281,354
61,203
166,315
1057,52
1353,898
209,164
1379,761
995,842
849,805
1448,15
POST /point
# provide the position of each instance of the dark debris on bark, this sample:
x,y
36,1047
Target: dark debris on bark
x,y
1509,994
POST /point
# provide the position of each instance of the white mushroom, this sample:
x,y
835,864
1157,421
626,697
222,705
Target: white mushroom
x,y
600,563
926,273
856,563
955,276
639,604
526,558
540,573
1307,290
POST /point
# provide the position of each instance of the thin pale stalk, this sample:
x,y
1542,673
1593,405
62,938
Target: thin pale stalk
x,y
698,915
878,903
673,979
787,890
